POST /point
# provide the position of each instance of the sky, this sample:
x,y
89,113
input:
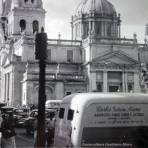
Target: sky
x,y
134,17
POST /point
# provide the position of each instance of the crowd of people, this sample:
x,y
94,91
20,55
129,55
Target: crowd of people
x,y
7,130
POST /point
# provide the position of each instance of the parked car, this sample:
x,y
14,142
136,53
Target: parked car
x,y
2,104
29,122
6,109
20,114
53,104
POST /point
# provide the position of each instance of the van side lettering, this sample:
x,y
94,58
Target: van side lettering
x,y
103,109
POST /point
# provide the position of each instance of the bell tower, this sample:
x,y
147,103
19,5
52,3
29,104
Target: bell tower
x,y
24,16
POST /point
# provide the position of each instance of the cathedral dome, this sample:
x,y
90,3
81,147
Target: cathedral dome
x,y
96,6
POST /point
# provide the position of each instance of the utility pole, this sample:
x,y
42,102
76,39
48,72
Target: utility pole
x,y
40,53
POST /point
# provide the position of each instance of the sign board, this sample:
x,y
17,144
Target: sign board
x,y
108,115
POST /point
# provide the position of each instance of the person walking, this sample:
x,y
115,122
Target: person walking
x,y
50,130
35,131
8,131
1,119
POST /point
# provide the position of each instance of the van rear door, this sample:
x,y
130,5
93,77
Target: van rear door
x,y
115,125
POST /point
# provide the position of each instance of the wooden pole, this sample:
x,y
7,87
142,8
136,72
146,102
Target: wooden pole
x,y
41,43
41,107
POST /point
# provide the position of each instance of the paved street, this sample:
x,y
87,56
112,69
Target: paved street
x,y
22,140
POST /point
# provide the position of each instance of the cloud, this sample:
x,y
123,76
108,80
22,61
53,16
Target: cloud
x,y
58,26
133,12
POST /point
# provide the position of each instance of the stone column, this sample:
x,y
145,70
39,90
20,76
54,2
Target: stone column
x,y
93,28
116,26
123,81
59,90
126,87
119,31
102,28
105,81
82,29
105,29
89,28
6,87
74,31
114,29
72,27
93,81
136,82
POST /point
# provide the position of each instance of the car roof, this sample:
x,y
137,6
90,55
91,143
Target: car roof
x,y
48,109
8,107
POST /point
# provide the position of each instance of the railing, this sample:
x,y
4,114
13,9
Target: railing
x,y
59,76
78,77
112,40
117,40
64,42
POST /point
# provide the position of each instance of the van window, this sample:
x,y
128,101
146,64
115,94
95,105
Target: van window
x,y
61,113
70,114
68,93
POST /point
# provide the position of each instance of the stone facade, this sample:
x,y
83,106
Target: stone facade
x,y
112,63
96,59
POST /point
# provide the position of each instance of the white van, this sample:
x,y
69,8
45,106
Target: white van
x,y
101,120
54,104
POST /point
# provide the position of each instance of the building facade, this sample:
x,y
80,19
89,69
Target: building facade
x,y
95,59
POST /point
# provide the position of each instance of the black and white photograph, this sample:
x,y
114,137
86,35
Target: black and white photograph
x,y
74,73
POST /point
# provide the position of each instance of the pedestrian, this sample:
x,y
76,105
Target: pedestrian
x,y
50,130
8,131
1,119
35,131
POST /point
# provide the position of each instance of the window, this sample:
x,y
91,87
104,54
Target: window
x,y
98,28
61,113
109,30
114,88
22,25
130,88
70,114
68,93
35,26
86,29
130,77
99,87
25,1
69,56
99,76
32,1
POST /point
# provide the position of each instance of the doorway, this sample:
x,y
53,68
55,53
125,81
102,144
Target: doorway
x,y
114,88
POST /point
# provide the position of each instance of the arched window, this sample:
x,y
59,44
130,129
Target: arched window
x,y
25,1
32,1
35,26
109,29
98,28
22,25
86,29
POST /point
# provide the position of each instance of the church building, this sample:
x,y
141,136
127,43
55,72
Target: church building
x,y
95,59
